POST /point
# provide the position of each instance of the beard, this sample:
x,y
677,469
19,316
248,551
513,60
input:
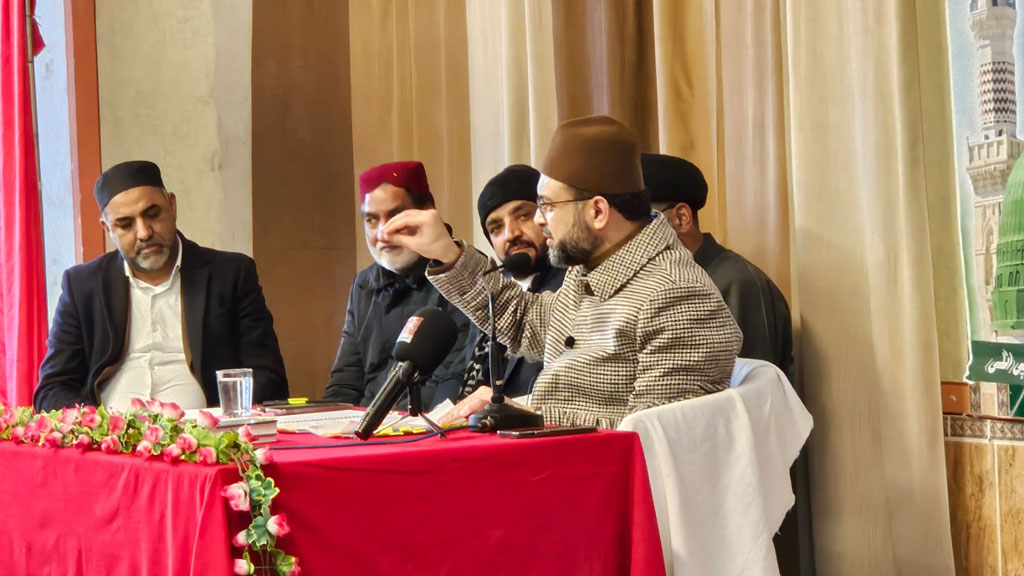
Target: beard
x,y
397,261
539,255
578,246
151,261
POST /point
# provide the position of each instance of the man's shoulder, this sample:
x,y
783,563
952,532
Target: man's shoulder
x,y
204,254
674,266
731,269
94,267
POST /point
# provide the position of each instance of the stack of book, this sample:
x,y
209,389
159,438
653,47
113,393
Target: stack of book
x,y
264,428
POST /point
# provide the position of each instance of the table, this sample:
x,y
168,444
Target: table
x,y
467,504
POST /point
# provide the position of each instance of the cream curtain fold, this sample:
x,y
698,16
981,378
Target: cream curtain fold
x,y
512,107
871,161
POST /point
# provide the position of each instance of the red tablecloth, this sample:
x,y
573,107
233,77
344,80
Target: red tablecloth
x,y
469,504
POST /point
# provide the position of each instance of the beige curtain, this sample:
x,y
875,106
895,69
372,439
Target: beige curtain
x,y
410,98
873,197
511,89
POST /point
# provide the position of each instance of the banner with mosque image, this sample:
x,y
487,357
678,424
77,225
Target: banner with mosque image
x,y
985,47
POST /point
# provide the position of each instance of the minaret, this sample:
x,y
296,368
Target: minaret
x,y
994,150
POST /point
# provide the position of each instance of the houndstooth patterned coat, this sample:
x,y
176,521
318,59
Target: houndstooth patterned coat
x,y
646,327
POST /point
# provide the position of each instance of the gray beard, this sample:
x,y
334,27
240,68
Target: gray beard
x,y
150,262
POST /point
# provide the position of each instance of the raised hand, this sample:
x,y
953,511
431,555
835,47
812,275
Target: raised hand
x,y
423,232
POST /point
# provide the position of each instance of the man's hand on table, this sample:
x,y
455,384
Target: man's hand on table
x,y
472,404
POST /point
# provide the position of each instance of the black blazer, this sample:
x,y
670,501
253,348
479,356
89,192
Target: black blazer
x,y
225,324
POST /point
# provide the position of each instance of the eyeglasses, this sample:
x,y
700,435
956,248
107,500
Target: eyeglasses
x,y
546,208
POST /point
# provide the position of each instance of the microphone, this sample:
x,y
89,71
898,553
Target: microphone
x,y
498,415
425,341
517,265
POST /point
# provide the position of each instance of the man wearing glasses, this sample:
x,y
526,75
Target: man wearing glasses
x,y
636,322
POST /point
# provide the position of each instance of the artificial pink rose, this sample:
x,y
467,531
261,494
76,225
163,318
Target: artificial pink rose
x,y
83,442
153,434
172,411
172,453
207,455
90,419
110,445
263,456
137,405
17,433
53,439
144,449
187,442
241,567
143,418
207,420
43,425
237,495
65,428
239,541
154,405
69,415
9,416
278,525
115,424
245,434
295,569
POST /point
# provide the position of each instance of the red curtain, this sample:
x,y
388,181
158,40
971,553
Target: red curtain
x,y
22,279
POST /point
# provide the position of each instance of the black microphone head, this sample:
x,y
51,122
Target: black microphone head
x,y
519,265
426,339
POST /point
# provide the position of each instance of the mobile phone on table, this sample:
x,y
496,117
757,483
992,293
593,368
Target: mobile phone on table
x,y
543,432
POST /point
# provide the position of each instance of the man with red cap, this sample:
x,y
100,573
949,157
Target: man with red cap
x,y
157,317
637,323
388,292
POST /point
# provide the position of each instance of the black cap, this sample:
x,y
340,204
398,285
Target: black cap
x,y
674,180
517,182
125,176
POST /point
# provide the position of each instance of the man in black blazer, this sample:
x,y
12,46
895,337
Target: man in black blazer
x,y
160,315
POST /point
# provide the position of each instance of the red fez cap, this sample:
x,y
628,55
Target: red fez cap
x,y
409,176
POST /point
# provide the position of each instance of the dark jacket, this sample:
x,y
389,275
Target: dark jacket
x,y
225,324
756,303
519,373
379,304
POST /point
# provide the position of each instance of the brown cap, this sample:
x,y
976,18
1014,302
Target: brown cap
x,y
595,153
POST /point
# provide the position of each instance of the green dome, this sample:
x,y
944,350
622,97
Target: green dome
x,y
1008,292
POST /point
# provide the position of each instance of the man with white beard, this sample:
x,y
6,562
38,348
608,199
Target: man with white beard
x,y
386,294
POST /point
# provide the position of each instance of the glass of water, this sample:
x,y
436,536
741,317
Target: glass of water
x,y
234,387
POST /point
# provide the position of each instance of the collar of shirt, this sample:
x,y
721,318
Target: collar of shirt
x,y
708,251
139,285
620,267
415,278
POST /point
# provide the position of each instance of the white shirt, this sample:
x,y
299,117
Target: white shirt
x,y
154,365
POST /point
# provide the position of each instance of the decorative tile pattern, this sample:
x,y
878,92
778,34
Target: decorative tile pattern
x,y
1006,430
975,396
968,427
1003,395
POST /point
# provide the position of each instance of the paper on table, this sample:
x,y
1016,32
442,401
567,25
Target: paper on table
x,y
345,422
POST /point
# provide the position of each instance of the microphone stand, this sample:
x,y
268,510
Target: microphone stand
x,y
498,415
416,408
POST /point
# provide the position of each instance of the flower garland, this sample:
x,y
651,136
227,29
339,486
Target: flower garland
x,y
156,429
